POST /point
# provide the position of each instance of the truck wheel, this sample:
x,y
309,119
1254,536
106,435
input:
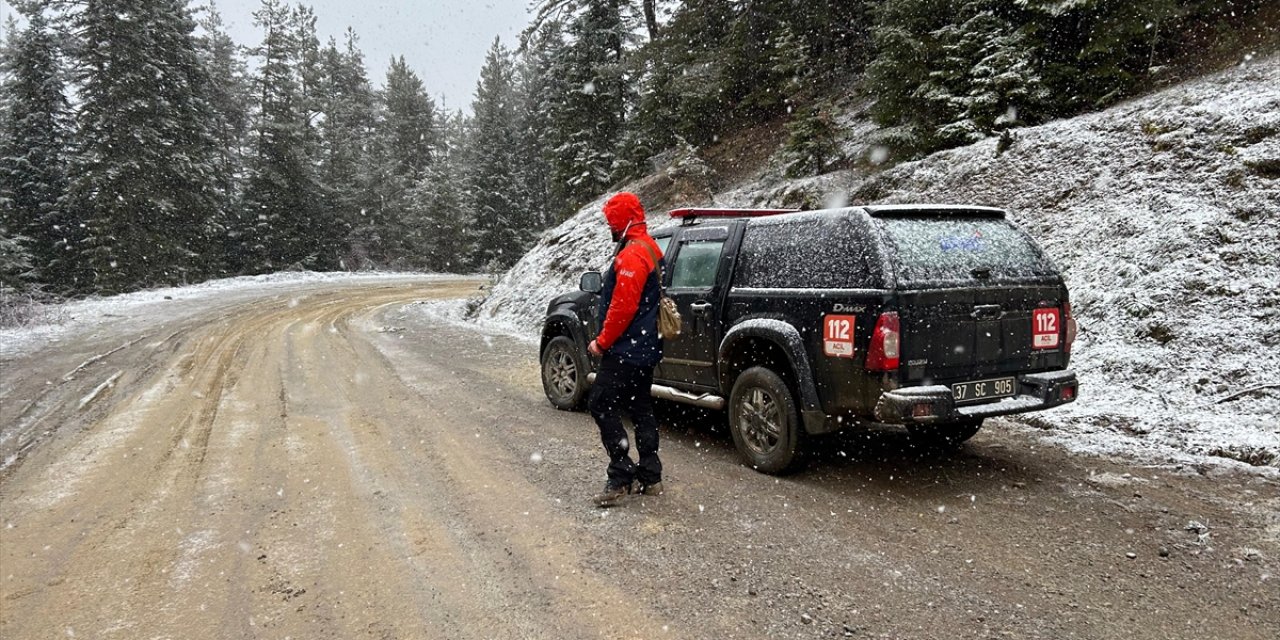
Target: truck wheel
x,y
765,423
945,436
564,374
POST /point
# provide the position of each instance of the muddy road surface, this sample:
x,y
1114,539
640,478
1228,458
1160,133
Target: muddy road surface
x,y
337,462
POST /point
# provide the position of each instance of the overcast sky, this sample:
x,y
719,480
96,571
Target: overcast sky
x,y
444,41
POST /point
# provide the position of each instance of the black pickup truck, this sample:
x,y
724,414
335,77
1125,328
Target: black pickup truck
x,y
802,323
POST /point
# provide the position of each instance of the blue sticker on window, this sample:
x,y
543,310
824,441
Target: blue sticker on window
x,y
963,243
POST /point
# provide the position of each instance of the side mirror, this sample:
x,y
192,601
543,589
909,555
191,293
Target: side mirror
x,y
591,282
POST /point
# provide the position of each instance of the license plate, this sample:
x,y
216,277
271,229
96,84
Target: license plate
x,y
984,389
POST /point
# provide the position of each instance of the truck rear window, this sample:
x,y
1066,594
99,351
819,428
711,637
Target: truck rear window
x,y
806,251
944,249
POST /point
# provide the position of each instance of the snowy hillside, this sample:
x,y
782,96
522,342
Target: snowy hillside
x,y
1164,213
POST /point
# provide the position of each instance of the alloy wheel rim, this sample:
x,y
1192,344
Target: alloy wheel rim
x,y
563,373
761,420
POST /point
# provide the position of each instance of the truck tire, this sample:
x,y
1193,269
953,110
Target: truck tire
x,y
945,436
564,374
765,423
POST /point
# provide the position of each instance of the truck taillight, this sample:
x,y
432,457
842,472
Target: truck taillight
x,y
885,340
1071,326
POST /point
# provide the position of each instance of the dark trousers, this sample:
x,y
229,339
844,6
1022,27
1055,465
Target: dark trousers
x,y
624,388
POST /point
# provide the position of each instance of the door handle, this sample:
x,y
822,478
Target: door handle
x,y
987,312
701,308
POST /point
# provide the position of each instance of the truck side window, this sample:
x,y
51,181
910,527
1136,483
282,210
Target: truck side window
x,y
696,265
818,251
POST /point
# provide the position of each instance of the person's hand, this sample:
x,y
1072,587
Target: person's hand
x,y
594,349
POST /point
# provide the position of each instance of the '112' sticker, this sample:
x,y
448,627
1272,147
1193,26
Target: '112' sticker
x,y
837,336
1044,328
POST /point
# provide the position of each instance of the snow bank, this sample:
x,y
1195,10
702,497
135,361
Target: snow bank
x,y
1164,214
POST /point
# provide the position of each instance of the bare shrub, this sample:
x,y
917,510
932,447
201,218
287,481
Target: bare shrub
x,y
29,308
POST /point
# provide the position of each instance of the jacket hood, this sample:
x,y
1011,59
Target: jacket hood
x,y
624,209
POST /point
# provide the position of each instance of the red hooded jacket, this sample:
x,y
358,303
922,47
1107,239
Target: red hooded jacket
x,y
632,266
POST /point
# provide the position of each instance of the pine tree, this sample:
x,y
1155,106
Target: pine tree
x,y
500,225
278,225
554,10
33,157
15,257
10,34
1005,79
409,125
15,265
760,60
347,104
837,34
143,175
984,71
950,72
682,84
435,218
590,116
307,61
814,143
906,55
538,89
405,144
229,98
1097,52
719,65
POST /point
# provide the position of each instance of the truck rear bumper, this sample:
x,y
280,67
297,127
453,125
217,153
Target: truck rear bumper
x,y
934,404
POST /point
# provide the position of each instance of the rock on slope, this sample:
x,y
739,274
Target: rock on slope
x,y
1164,213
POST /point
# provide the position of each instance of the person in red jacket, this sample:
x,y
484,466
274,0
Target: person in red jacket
x,y
629,347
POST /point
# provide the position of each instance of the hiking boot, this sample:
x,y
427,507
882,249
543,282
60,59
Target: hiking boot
x,y
654,489
612,495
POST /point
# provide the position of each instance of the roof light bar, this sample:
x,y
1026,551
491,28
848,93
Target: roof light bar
x,y
728,213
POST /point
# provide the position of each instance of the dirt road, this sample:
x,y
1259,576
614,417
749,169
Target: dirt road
x,y
333,463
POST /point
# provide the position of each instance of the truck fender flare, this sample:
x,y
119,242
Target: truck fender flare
x,y
788,338
559,322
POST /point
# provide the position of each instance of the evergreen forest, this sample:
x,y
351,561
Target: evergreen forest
x,y
140,146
